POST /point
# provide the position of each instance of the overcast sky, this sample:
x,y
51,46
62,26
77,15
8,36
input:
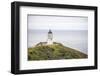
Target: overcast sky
x,y
57,22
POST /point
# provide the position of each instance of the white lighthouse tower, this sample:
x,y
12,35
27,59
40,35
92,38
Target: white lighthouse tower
x,y
50,37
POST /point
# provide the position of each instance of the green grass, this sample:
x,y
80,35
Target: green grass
x,y
53,52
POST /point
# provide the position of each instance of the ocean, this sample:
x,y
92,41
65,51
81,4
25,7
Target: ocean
x,y
76,39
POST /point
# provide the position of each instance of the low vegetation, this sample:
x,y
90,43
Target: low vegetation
x,y
53,52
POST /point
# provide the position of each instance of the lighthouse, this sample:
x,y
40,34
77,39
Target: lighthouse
x,y
50,37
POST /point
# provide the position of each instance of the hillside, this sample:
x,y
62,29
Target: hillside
x,y
53,52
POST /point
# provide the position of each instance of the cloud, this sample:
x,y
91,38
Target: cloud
x,y
57,22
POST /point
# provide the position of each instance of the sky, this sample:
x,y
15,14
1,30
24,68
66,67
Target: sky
x,y
44,22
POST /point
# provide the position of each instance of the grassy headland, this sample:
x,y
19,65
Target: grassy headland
x,y
54,52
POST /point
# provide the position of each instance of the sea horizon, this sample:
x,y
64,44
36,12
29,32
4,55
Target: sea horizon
x,y
76,39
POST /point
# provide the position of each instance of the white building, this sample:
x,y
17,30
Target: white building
x,y
50,38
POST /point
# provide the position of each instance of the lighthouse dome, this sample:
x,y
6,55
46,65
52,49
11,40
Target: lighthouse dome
x,y
50,31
